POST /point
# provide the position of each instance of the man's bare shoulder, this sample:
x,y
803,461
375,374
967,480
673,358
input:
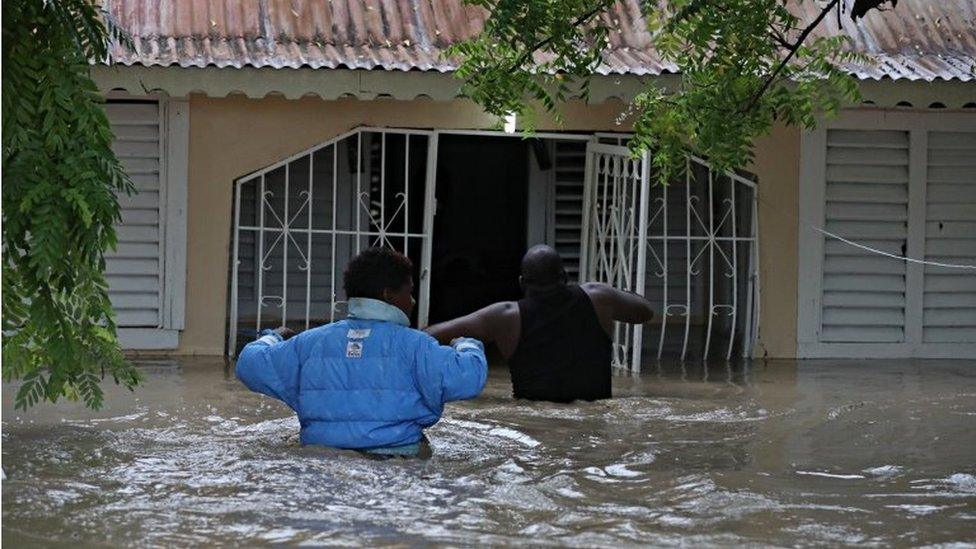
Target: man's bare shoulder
x,y
597,290
595,287
603,296
502,309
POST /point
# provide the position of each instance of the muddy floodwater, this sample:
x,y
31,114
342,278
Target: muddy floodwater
x,y
778,453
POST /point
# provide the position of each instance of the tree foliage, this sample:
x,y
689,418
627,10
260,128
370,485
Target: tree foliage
x,y
743,65
60,185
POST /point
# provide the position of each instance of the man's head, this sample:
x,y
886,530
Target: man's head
x,y
542,269
383,274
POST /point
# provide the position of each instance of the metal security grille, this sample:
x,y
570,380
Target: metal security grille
x,y
614,223
697,263
299,222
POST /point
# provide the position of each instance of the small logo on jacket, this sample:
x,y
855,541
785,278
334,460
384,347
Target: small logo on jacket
x,y
354,349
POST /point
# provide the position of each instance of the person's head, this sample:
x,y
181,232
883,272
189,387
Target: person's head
x,y
542,270
383,274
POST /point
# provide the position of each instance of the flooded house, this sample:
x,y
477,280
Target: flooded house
x,y
270,142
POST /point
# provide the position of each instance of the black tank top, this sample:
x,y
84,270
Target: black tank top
x,y
563,353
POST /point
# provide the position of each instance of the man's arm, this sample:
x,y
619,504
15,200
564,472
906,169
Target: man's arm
x,y
613,304
487,324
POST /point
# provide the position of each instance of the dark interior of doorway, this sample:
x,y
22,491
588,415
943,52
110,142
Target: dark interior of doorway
x,y
480,223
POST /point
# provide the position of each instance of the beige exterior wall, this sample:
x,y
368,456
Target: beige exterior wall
x,y
778,166
233,136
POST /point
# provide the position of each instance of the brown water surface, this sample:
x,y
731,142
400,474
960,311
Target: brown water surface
x,y
779,453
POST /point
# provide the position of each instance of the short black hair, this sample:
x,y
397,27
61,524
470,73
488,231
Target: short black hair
x,y
542,267
375,270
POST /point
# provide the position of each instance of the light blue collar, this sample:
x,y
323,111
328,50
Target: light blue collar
x,y
364,308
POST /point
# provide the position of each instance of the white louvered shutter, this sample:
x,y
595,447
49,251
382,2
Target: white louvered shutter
x,y
866,201
949,298
134,270
567,220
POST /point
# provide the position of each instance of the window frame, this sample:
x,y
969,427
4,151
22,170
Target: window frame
x,y
174,157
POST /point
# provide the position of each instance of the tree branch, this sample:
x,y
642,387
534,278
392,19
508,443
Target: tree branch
x,y
778,38
792,51
584,18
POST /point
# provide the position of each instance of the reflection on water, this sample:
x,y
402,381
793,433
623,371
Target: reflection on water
x,y
777,453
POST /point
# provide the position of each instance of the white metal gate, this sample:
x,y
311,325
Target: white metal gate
x,y
698,260
614,224
298,223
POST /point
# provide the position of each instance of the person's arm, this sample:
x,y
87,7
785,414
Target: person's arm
x,y
618,305
270,366
484,324
448,373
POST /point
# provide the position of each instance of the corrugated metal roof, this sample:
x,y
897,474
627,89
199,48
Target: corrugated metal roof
x,y
917,40
920,39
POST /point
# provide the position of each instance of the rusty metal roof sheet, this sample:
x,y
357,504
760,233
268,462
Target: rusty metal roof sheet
x,y
921,39
917,40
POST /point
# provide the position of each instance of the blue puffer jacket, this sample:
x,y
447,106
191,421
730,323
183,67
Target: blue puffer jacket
x,y
363,383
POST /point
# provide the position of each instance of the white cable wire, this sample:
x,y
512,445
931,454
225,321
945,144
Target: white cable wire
x,y
865,247
891,255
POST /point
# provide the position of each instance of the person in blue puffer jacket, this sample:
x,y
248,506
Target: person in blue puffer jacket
x,y
369,382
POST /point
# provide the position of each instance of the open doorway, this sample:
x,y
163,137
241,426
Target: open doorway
x,y
480,222
299,221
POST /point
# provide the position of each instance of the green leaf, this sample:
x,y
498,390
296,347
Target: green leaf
x,y
60,186
742,63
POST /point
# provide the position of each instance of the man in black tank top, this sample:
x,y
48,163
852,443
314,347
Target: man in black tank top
x,y
557,338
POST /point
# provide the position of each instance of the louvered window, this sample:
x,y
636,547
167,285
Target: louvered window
x,y
134,270
867,202
567,210
146,273
950,237
903,185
